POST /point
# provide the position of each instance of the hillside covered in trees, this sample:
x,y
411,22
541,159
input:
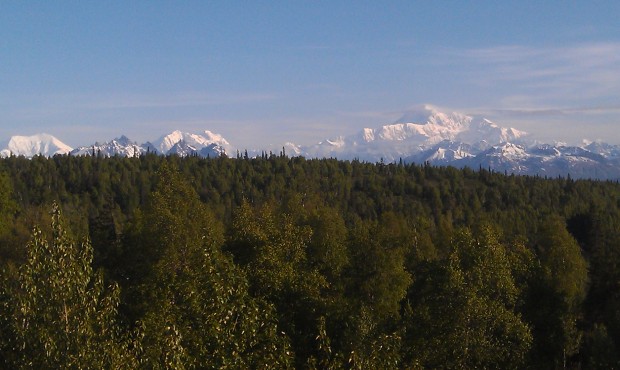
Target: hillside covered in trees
x,y
274,262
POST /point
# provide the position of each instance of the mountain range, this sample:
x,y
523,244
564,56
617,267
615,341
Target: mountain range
x,y
423,135
206,144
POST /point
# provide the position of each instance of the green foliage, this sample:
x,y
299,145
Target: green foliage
x,y
563,266
274,249
464,312
201,314
7,204
557,294
61,314
374,347
9,250
248,262
325,357
206,310
377,278
327,249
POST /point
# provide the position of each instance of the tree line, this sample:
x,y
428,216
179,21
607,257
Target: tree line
x,y
277,262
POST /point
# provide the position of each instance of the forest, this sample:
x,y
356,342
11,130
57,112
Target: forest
x,y
280,262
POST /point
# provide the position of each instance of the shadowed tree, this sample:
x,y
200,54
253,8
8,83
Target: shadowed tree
x,y
463,312
61,313
273,249
557,295
199,298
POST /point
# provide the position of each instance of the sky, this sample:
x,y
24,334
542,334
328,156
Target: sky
x,y
266,72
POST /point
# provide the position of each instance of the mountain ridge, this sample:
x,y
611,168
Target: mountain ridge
x,y
421,135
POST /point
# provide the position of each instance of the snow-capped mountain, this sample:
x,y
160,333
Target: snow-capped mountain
x,y
423,135
183,149
435,126
545,160
444,152
417,131
184,143
427,135
604,149
206,144
122,146
29,146
180,143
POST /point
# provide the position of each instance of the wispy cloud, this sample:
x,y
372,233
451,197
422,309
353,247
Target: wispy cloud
x,y
562,92
577,72
582,55
549,111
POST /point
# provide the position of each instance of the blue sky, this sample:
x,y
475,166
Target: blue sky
x,y
267,72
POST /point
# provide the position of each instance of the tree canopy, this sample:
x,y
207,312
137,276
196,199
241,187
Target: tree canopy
x,y
276,262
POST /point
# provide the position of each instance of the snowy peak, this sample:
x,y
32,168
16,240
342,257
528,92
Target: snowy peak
x,y
508,150
545,160
611,151
437,126
482,129
431,115
215,138
29,146
121,146
367,135
424,134
427,134
429,126
443,153
206,144
178,142
124,140
422,114
292,149
417,131
182,149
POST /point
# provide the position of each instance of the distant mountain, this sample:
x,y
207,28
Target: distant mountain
x,y
545,160
417,131
206,144
427,135
184,143
29,146
122,146
444,152
422,135
180,143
